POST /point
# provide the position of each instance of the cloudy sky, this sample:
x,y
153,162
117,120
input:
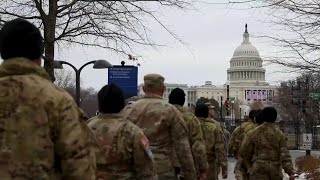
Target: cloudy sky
x,y
212,32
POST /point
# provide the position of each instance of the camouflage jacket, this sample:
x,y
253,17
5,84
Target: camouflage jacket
x,y
244,128
266,144
122,149
218,125
166,130
214,142
198,147
43,135
233,140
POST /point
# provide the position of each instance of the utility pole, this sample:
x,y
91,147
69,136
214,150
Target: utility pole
x,y
316,128
296,96
300,94
227,101
240,116
221,105
308,120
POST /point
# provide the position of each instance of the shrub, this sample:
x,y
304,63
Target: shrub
x,y
309,165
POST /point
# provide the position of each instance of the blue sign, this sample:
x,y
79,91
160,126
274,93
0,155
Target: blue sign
x,y
126,77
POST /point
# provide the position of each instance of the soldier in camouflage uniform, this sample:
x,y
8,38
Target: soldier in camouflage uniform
x,y
165,128
122,148
246,127
211,116
258,120
235,142
226,135
198,148
239,134
43,133
233,139
214,143
265,152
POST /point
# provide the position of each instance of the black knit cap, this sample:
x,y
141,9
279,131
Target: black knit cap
x,y
177,96
201,110
111,99
258,116
20,38
269,114
251,114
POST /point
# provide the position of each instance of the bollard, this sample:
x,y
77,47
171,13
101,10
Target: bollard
x,y
308,152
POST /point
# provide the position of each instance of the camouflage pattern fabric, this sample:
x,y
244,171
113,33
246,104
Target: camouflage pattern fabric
x,y
215,147
241,168
238,170
166,130
226,135
43,135
213,172
122,149
198,147
221,132
244,128
248,128
233,143
264,151
234,140
266,170
238,136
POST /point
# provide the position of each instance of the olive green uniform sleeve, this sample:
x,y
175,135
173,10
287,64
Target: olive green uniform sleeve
x,y
285,157
179,135
143,158
247,151
232,140
198,147
219,148
237,141
72,143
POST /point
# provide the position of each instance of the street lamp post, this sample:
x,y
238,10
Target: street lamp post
x,y
240,117
97,64
232,113
221,117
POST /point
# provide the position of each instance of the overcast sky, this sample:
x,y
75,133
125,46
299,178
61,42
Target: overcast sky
x,y
213,32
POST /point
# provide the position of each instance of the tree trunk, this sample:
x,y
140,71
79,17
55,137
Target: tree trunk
x,y
49,36
49,57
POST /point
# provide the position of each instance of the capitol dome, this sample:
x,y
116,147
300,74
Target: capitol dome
x,y
246,49
246,64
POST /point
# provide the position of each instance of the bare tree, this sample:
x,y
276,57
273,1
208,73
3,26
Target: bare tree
x,y
298,20
287,111
115,25
236,109
256,105
306,113
65,79
89,101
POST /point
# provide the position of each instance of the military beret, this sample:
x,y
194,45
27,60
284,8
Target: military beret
x,y
153,81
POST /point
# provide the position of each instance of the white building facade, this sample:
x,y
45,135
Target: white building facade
x,y
246,80
191,96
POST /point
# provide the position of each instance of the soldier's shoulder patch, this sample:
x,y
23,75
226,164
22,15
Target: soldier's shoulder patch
x,y
145,142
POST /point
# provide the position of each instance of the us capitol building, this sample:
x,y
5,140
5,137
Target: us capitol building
x,y
246,79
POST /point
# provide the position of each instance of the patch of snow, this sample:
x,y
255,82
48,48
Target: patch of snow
x,y
298,177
